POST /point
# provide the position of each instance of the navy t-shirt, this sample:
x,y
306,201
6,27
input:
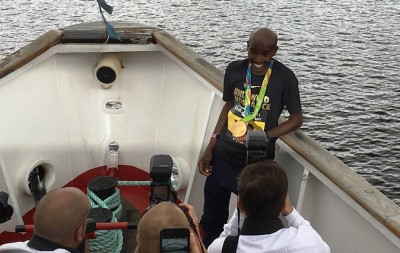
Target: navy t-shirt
x,y
282,91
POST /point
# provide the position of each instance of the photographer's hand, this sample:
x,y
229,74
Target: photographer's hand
x,y
195,245
195,241
192,214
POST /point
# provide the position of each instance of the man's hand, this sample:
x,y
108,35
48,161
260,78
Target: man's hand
x,y
204,163
191,212
241,139
195,244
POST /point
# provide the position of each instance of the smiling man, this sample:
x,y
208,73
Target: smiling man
x,y
256,90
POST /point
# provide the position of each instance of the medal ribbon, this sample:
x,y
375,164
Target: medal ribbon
x,y
261,94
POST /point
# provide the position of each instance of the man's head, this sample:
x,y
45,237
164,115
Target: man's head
x,y
61,215
261,47
163,215
262,190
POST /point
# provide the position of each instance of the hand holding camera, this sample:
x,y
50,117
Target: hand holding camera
x,y
173,239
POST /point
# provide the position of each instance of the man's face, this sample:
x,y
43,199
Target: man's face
x,y
261,49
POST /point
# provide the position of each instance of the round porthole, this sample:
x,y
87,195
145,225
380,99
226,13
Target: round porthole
x,y
180,174
106,75
41,170
108,69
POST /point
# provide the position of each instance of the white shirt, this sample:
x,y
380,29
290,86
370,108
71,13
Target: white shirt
x,y
298,236
23,247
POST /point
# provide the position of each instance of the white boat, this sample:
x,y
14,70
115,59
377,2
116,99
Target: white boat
x,y
57,115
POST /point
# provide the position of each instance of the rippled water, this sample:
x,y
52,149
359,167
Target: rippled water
x,y
345,54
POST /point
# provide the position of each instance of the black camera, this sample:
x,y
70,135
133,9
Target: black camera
x,y
160,173
257,144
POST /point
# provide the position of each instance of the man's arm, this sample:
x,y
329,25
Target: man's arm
x,y
291,218
195,241
204,163
230,228
293,123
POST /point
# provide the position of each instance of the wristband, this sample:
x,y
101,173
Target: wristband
x,y
215,136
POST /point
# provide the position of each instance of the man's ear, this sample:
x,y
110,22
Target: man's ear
x,y
276,50
240,205
247,48
79,234
137,250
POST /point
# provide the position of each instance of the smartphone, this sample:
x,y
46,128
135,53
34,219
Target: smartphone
x,y
174,240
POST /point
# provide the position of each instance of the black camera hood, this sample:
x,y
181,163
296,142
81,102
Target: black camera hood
x,y
161,168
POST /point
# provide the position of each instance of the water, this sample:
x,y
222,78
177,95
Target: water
x,y
345,54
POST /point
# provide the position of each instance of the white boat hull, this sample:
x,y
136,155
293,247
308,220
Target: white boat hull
x,y
166,100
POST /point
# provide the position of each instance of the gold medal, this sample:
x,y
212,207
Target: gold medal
x,y
239,129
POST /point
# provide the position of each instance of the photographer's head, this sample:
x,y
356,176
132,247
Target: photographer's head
x,y
60,216
164,214
262,189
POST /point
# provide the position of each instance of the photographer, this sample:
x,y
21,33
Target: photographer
x,y
165,226
264,209
166,215
60,223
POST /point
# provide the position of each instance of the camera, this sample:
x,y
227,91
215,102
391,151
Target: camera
x,y
160,186
257,144
175,240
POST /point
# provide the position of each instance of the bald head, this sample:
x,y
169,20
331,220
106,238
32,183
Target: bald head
x,y
264,35
163,215
60,214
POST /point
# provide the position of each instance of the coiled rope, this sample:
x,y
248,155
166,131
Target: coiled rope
x,y
107,240
112,240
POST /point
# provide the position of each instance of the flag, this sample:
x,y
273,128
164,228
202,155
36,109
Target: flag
x,y
109,28
105,6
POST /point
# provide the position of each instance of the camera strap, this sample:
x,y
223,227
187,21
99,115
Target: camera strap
x,y
252,227
230,244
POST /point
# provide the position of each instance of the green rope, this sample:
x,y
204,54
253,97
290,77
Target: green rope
x,y
111,240
112,202
174,183
107,240
133,183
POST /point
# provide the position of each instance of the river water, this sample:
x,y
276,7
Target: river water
x,y
345,54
